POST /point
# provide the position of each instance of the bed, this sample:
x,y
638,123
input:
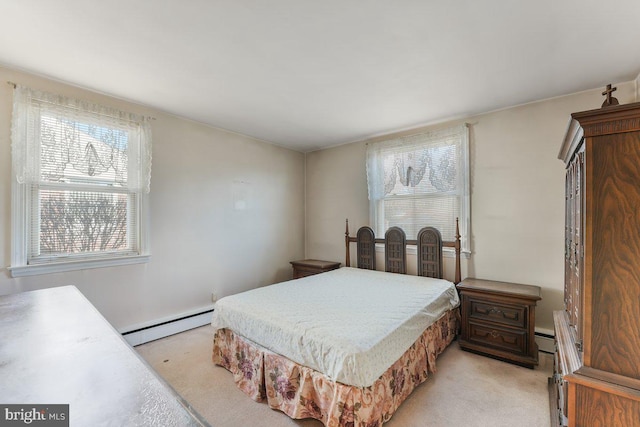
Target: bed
x,y
348,346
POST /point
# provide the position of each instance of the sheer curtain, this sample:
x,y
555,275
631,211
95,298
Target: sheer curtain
x,y
421,180
52,134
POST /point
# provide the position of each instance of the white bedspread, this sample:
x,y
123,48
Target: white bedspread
x,y
349,324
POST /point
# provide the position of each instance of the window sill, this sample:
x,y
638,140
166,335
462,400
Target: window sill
x,y
32,270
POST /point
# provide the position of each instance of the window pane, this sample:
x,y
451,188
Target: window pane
x,y
413,213
75,222
81,152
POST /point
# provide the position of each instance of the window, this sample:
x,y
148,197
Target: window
x,y
421,180
81,182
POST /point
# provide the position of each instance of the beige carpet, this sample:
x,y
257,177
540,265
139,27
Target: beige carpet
x,y
468,389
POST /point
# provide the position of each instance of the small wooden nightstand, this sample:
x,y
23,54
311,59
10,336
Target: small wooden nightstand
x,y
498,320
309,267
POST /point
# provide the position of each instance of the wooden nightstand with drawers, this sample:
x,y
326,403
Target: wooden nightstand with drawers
x,y
498,320
309,267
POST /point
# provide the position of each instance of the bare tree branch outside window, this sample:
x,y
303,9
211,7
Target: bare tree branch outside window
x,y
80,222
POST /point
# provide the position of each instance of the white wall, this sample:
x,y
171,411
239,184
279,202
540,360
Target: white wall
x,y
199,242
517,195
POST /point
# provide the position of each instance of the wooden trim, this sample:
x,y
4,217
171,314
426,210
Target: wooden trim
x,y
587,262
604,386
568,356
456,245
571,404
610,378
347,259
571,142
609,120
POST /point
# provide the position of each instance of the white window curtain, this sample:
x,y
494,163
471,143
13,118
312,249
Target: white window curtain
x,y
421,180
82,172
58,128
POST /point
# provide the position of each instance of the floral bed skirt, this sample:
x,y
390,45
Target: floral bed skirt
x,y
302,392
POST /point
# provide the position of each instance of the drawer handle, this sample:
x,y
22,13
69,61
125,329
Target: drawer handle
x,y
495,334
493,310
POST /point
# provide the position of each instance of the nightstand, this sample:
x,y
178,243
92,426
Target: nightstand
x,y
309,267
498,320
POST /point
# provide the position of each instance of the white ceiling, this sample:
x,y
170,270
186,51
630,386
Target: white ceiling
x,y
310,74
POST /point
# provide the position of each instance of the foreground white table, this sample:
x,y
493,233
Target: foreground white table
x,y
56,348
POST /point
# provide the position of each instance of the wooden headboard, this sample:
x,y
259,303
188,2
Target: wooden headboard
x,y
429,250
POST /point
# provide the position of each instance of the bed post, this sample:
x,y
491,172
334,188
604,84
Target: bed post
x,y
347,260
458,279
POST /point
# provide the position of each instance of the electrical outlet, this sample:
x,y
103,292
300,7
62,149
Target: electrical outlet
x,y
214,297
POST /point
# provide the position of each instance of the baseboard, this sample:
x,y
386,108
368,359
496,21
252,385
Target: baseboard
x,y
546,342
162,328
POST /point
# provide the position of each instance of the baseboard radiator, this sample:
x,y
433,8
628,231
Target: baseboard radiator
x,y
162,328
545,342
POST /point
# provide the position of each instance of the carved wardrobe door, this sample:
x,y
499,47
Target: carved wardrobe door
x,y
574,243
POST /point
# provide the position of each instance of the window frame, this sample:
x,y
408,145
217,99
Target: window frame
x,y
376,206
22,196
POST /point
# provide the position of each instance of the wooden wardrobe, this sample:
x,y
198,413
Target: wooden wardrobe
x,y
597,360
